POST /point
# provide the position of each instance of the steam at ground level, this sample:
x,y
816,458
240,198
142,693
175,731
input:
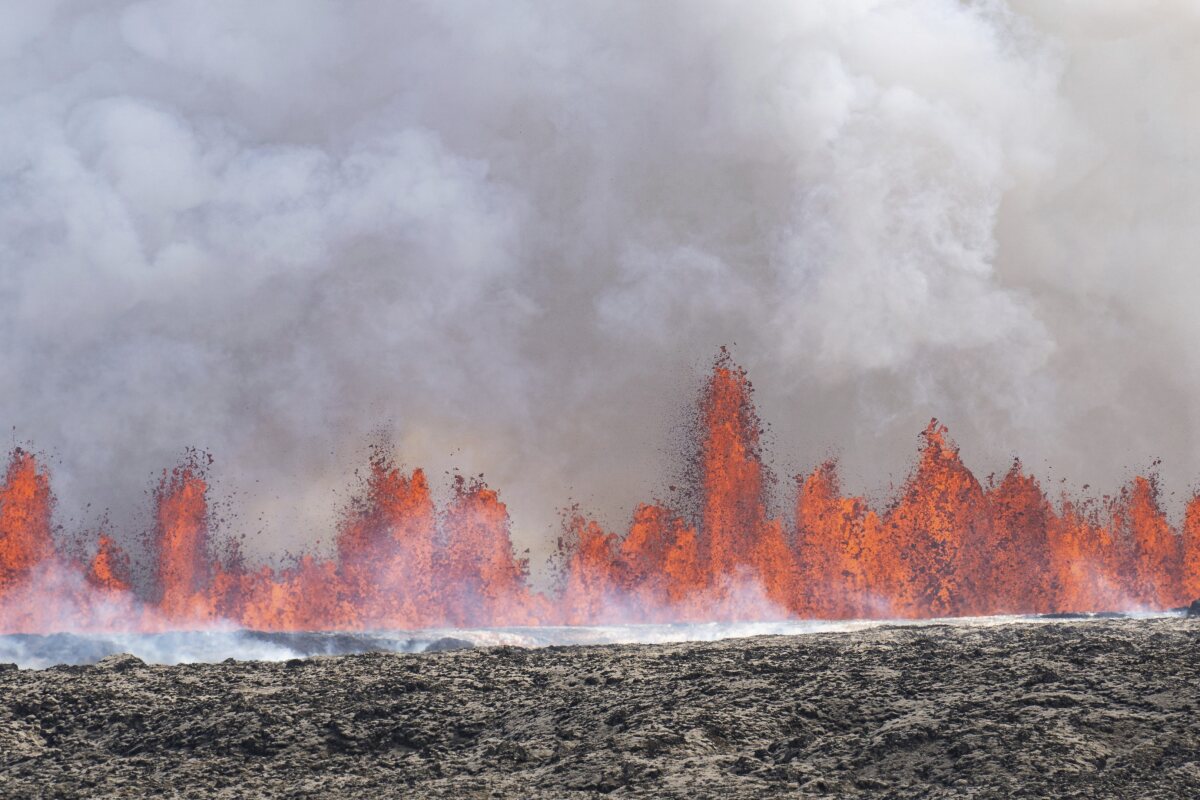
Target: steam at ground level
x,y
36,651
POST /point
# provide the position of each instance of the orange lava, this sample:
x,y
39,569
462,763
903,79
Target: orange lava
x,y
25,506
839,547
185,565
946,545
109,568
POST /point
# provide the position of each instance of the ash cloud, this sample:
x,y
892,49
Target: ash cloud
x,y
507,234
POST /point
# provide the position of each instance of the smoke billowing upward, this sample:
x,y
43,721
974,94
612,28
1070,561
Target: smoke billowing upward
x,y
505,232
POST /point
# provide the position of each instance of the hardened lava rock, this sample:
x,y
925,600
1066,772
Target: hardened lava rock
x,y
1073,708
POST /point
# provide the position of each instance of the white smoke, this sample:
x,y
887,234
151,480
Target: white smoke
x,y
507,233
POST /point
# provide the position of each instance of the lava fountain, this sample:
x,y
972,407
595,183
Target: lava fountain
x,y
946,545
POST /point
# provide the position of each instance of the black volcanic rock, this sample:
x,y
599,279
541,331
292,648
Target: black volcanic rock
x,y
122,662
1193,610
1073,709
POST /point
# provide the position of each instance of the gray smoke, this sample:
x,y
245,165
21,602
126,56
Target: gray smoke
x,y
509,235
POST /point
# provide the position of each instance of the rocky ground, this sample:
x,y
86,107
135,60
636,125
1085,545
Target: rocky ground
x,y
1068,709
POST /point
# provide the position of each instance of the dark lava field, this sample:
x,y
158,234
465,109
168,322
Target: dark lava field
x,y
1065,709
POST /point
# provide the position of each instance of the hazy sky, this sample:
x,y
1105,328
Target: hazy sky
x,y
512,235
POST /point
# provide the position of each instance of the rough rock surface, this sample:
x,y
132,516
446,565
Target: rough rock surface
x,y
1064,709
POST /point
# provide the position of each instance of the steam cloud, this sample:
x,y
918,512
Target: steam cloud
x,y
506,232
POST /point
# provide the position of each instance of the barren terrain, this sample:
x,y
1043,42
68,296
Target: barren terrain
x,y
1066,709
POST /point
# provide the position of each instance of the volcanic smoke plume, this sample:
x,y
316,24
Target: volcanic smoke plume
x,y
507,234
947,545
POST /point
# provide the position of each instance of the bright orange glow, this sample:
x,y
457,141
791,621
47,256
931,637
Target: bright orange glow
x,y
947,545
937,536
25,506
839,548
1190,572
185,566
480,581
661,558
593,575
385,550
109,568
1020,547
1150,551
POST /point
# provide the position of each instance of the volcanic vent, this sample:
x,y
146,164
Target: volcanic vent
x,y
947,545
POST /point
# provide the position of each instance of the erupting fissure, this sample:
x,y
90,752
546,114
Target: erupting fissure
x,y
947,545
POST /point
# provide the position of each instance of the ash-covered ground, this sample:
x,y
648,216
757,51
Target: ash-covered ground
x,y
1104,708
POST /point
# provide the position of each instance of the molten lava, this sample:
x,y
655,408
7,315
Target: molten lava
x,y
947,545
185,568
25,506
109,568
839,549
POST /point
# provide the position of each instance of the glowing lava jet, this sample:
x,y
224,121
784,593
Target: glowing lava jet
x,y
946,545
